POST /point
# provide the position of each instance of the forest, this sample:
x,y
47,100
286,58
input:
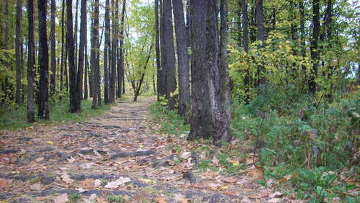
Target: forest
x,y
179,101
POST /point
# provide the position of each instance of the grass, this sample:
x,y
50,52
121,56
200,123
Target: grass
x,y
59,112
171,121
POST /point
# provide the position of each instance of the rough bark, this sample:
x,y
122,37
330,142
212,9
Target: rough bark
x,y
183,61
53,48
43,111
162,71
315,55
30,65
18,51
95,56
74,94
107,52
168,53
82,45
75,32
201,117
223,118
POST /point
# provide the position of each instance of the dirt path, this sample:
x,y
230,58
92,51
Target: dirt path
x,y
117,157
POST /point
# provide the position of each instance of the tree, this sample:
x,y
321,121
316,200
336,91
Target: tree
x,y
53,48
30,66
107,52
183,63
168,52
315,55
18,51
43,62
82,49
120,66
74,94
157,47
114,49
63,49
201,118
95,66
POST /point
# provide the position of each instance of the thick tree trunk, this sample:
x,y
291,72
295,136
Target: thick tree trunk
x,y
95,57
223,117
53,48
201,117
157,48
260,36
183,62
315,55
18,51
43,63
30,66
74,94
82,48
168,53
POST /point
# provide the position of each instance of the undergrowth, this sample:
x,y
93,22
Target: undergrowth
x,y
311,145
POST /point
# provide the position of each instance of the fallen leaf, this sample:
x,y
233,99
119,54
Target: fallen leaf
x,y
256,173
36,186
232,179
63,198
66,178
117,183
276,195
160,200
101,200
180,198
50,142
4,183
88,184
97,183
185,155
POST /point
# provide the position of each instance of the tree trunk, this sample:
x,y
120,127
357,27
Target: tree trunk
x,y
53,48
201,117
183,63
260,36
245,40
157,48
168,53
138,88
95,57
30,66
43,63
315,55
75,32
18,51
63,50
82,48
6,25
74,94
107,52
120,66
223,118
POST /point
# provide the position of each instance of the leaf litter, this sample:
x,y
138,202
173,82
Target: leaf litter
x,y
122,155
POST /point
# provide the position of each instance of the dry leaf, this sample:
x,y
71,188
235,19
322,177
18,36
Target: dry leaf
x,y
276,195
4,183
63,198
117,183
36,186
66,178
232,179
88,184
160,200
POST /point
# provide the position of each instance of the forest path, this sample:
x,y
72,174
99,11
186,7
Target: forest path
x,y
117,157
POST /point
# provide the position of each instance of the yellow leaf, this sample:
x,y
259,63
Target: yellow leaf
x,y
50,142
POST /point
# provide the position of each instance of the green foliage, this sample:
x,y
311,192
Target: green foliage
x,y
295,134
116,198
171,121
7,78
59,112
74,198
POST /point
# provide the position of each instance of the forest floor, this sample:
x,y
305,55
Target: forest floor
x,y
118,157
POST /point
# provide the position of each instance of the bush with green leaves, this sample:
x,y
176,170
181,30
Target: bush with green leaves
x,y
299,136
